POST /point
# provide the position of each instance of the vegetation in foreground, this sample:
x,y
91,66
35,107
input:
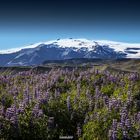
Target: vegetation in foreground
x,y
86,104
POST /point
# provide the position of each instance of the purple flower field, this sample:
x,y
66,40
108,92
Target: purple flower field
x,y
84,104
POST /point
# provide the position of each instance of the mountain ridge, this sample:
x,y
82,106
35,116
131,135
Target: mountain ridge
x,y
62,49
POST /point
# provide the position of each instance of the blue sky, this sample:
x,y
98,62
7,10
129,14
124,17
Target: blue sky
x,y
18,37
27,22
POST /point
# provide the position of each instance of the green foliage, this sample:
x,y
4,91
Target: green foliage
x,y
97,128
108,89
6,100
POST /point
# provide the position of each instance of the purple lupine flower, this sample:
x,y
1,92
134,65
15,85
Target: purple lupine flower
x,y
14,120
35,110
78,89
114,124
40,112
21,108
128,123
10,112
110,105
36,93
79,131
97,72
138,116
97,93
57,93
114,135
123,117
68,102
106,100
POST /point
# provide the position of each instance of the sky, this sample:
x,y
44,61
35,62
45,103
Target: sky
x,y
24,22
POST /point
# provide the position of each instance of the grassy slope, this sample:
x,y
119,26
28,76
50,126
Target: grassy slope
x,y
127,65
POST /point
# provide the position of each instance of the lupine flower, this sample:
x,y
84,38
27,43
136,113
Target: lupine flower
x,y
31,95
114,124
78,89
35,110
21,108
114,135
79,131
128,123
10,112
68,102
14,120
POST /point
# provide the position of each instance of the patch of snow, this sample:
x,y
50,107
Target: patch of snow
x,y
14,50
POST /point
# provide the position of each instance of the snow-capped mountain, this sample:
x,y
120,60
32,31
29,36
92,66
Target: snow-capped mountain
x,y
66,49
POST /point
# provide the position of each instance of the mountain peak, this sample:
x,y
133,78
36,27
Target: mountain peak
x,y
60,49
78,43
